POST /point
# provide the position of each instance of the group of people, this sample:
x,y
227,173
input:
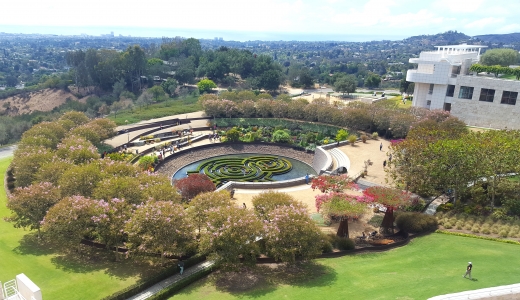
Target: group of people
x,y
214,137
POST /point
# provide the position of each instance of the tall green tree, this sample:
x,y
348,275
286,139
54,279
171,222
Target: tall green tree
x,y
345,84
502,57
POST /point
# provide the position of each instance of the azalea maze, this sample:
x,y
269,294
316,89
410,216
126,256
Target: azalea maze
x,y
249,169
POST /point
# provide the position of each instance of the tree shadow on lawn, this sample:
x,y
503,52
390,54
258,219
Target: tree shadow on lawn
x,y
264,279
87,260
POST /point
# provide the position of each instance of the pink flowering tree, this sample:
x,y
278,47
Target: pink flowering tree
x,y
76,150
31,203
266,202
202,203
45,134
290,233
392,199
72,219
26,164
341,207
158,187
111,222
160,227
231,233
80,180
127,188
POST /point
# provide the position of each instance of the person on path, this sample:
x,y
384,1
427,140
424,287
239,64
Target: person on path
x,y
181,266
307,179
384,164
243,204
390,158
468,270
381,147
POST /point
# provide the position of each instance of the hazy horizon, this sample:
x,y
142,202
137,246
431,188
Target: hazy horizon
x,y
243,20
199,34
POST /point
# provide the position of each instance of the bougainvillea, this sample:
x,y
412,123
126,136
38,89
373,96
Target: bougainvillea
x,y
391,198
326,183
341,207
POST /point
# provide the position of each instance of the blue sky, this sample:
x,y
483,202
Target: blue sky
x,y
264,19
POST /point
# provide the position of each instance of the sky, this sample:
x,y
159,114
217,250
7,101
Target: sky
x,y
341,20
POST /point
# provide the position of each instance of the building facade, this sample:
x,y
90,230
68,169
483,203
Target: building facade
x,y
443,81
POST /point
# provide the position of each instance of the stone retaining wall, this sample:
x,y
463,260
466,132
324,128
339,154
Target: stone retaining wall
x,y
188,156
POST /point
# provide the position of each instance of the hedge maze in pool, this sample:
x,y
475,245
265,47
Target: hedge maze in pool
x,y
249,169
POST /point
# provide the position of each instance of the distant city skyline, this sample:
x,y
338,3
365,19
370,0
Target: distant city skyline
x,y
242,20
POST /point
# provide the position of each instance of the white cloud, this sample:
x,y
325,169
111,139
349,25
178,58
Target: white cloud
x,y
484,23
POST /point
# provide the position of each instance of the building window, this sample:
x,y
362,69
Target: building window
x,y
487,95
466,92
450,90
447,106
428,102
509,97
430,91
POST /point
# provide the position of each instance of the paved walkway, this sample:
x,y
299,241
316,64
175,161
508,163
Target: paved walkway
x,y
149,292
504,292
122,139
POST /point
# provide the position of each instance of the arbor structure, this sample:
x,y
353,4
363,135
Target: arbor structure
x,y
341,207
390,198
335,203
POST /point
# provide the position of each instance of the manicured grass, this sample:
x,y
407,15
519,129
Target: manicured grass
x,y
399,101
157,110
59,275
428,266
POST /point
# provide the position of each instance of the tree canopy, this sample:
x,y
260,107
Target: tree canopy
x,y
502,57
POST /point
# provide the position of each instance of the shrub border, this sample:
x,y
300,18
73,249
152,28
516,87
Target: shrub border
x,y
477,237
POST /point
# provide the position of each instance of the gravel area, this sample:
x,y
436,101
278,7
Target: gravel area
x,y
188,156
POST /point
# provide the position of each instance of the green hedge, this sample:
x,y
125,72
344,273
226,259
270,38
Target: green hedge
x,y
414,222
148,282
478,237
273,122
184,282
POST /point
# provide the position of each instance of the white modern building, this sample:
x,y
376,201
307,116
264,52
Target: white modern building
x,y
443,81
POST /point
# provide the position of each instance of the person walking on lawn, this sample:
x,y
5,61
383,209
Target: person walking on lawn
x,y
468,270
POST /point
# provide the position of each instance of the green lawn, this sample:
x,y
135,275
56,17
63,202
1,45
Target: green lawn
x,y
59,276
157,110
426,267
399,101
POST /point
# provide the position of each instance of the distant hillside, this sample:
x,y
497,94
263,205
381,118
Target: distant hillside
x,y
446,38
43,100
500,38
